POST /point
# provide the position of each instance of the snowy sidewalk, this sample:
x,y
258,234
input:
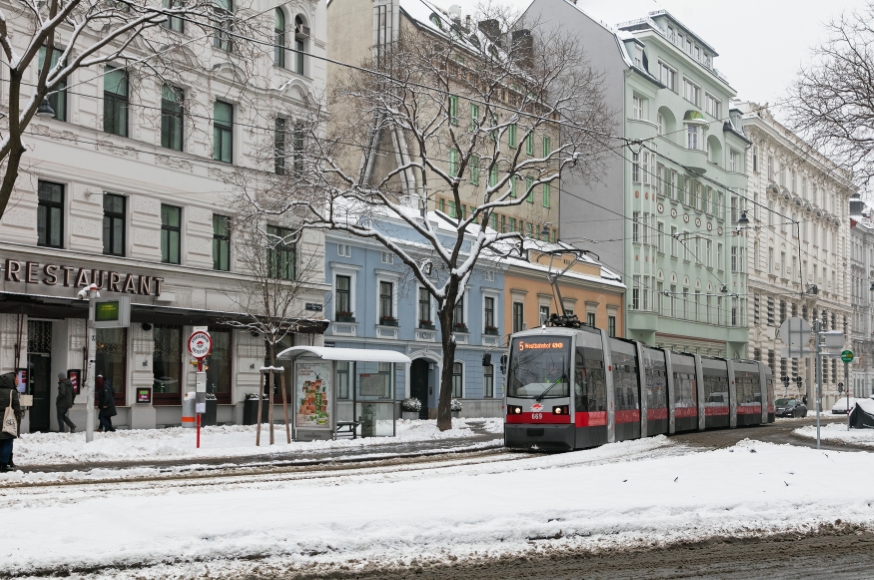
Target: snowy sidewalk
x,y
638,493
234,444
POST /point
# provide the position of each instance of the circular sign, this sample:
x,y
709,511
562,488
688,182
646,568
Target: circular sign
x,y
847,356
199,344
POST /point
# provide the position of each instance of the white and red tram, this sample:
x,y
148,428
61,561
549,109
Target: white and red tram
x,y
575,387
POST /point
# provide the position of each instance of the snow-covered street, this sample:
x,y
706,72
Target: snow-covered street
x,y
628,494
216,442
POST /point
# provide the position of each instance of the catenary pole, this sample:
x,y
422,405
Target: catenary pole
x,y
818,363
93,295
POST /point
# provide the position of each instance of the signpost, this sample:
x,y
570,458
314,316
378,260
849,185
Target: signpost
x,y
200,345
847,357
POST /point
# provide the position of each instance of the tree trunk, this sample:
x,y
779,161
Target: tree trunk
x,y
447,338
16,149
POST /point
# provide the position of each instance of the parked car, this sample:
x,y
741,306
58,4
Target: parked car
x,y
790,408
841,407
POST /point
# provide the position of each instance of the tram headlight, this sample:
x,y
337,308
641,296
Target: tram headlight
x,y
514,410
561,410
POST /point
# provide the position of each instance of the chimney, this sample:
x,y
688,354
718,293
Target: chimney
x,y
522,48
491,28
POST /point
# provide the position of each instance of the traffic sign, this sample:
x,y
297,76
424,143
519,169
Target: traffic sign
x,y
199,344
847,356
795,332
833,339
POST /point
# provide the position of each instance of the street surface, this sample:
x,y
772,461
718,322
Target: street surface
x,y
728,504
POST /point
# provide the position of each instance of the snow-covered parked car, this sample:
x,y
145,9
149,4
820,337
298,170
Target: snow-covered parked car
x,y
841,407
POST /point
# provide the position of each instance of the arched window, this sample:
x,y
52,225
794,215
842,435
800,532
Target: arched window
x,y
301,35
279,38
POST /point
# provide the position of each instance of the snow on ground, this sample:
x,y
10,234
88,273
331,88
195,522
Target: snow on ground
x,y
838,432
216,442
644,492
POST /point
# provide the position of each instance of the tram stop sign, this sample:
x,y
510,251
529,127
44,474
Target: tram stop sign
x,y
847,356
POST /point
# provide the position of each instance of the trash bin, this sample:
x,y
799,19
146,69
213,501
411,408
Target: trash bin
x,y
189,402
250,411
210,417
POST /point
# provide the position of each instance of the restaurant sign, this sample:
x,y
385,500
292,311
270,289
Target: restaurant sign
x,y
54,274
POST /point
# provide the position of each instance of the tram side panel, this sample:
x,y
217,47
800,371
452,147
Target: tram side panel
x,y
769,382
626,389
717,393
656,391
590,392
749,394
685,392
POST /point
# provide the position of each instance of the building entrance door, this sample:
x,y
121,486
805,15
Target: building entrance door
x,y
419,384
39,367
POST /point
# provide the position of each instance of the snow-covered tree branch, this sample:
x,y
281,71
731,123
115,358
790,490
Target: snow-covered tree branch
x,y
449,113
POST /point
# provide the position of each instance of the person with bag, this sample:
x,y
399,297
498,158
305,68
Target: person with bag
x,y
106,402
12,415
64,402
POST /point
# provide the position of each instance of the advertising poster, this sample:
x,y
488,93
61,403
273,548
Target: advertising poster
x,y
313,392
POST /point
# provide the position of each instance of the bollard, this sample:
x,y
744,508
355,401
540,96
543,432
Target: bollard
x,y
189,418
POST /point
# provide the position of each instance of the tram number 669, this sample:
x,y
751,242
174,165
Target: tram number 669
x,y
537,415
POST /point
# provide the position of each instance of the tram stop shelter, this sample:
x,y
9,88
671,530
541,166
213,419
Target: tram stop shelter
x,y
339,392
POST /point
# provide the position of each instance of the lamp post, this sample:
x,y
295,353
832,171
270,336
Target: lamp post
x,y
90,292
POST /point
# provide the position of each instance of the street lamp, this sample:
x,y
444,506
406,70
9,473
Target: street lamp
x,y
742,221
91,294
45,110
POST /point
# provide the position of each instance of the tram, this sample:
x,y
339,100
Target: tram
x,y
570,386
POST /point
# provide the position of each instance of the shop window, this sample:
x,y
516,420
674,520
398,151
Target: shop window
x,y
111,360
50,215
167,365
171,229
219,363
113,224
221,242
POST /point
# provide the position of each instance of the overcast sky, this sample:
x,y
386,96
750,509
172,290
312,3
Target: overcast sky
x,y
761,43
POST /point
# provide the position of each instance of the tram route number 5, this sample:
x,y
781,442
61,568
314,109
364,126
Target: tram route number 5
x,y
200,345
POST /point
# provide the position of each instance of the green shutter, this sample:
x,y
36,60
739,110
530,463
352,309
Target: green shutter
x,y
511,136
545,195
453,110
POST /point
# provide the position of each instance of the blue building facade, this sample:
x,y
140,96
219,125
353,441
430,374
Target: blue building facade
x,y
376,302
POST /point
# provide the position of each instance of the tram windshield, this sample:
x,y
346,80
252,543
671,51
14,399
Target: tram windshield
x,y
539,367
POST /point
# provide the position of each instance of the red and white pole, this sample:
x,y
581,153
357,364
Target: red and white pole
x,y
196,414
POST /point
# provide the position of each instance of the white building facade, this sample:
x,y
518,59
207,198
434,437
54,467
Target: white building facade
x,y
129,187
862,278
798,246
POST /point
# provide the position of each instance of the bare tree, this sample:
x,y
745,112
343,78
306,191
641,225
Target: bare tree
x,y
280,268
417,146
832,100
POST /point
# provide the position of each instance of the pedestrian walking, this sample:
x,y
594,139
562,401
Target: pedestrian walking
x,y
12,415
106,402
64,402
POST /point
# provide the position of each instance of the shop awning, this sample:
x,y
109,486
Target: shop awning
x,y
345,354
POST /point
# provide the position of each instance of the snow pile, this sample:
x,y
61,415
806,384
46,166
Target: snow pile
x,y
646,492
838,432
216,442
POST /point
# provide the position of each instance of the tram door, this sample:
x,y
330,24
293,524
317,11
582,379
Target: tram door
x,y
419,384
39,364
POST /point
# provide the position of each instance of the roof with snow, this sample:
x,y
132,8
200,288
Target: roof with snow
x,y
344,354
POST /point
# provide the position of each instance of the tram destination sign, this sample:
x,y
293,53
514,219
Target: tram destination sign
x,y
51,274
541,344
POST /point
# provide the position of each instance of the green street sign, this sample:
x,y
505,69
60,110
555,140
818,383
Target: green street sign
x,y
847,356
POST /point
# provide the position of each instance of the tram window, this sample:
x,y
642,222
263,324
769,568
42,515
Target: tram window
x,y
590,386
